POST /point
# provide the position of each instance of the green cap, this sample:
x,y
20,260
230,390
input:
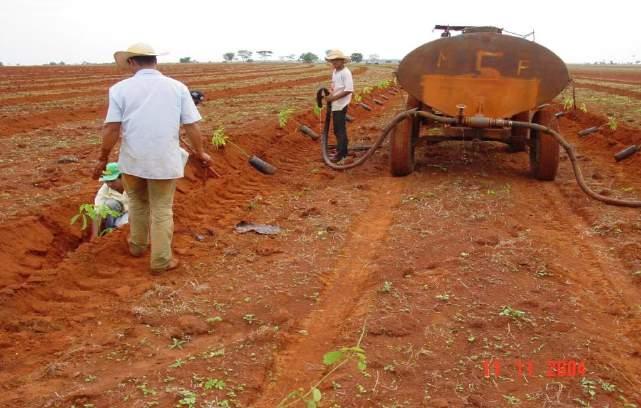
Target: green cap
x,y
111,172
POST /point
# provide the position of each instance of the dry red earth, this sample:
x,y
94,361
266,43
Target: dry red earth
x,y
463,265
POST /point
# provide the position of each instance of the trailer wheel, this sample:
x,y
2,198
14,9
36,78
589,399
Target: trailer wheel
x,y
403,140
544,148
519,137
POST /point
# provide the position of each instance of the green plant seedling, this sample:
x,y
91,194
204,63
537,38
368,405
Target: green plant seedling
x,y
92,212
283,116
335,359
384,84
219,138
612,123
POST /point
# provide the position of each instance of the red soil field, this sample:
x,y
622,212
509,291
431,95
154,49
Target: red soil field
x,y
464,268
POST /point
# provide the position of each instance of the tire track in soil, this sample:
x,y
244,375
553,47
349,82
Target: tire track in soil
x,y
350,275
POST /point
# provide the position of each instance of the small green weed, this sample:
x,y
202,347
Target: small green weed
x,y
146,391
387,287
178,363
214,384
513,313
177,343
249,318
187,399
588,386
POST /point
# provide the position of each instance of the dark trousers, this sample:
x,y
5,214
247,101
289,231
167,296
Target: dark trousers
x,y
340,131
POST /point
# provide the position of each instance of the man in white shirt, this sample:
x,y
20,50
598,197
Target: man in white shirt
x,y
145,113
340,96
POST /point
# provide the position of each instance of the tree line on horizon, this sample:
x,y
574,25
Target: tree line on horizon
x,y
308,57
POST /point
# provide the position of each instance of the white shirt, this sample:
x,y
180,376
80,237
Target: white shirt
x,y
342,81
151,107
105,193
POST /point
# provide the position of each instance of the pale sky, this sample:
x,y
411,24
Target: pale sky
x,y
40,31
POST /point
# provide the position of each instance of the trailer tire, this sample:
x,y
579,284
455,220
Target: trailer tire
x,y
403,140
544,148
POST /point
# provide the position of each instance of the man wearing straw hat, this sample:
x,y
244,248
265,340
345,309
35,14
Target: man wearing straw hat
x,y
145,113
340,96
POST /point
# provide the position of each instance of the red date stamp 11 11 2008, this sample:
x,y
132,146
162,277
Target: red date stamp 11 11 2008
x,y
553,368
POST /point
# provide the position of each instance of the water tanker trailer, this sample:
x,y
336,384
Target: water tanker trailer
x,y
481,73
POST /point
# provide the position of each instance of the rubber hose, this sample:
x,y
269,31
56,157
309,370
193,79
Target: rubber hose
x,y
569,149
325,135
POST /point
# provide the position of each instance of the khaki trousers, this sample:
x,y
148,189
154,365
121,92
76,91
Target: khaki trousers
x,y
151,202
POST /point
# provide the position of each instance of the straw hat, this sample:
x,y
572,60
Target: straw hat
x,y
121,57
335,55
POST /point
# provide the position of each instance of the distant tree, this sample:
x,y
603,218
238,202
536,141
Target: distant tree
x,y
61,63
185,60
53,63
308,57
1,64
228,56
373,58
357,57
264,54
244,54
291,57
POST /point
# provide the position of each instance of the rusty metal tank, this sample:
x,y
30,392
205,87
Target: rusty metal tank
x,y
488,73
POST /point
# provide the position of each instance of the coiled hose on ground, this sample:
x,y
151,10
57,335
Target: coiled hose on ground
x,y
480,122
